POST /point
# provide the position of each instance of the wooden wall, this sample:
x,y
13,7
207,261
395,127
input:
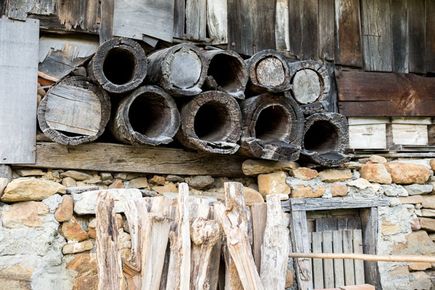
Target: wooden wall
x,y
374,35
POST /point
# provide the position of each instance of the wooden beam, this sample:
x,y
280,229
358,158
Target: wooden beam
x,y
142,159
367,257
309,204
385,94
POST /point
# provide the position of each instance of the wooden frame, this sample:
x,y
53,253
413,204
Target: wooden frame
x,y
299,232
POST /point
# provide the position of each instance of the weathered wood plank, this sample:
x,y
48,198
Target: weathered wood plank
x,y
179,18
358,249
196,19
337,240
430,36
385,94
369,220
310,29
295,26
309,204
18,76
349,269
317,263
328,265
106,26
125,158
259,215
282,31
20,8
300,244
137,18
327,29
417,35
399,29
347,25
217,21
376,35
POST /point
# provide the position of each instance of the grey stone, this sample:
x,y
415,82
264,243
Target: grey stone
x,y
200,182
174,178
415,189
394,190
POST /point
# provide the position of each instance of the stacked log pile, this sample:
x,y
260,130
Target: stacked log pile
x,y
177,243
207,99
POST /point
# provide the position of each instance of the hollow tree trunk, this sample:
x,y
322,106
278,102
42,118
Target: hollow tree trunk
x,y
119,65
326,137
179,70
268,72
311,85
272,127
147,116
74,111
211,122
226,71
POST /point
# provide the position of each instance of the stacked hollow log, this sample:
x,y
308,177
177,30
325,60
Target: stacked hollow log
x,y
209,100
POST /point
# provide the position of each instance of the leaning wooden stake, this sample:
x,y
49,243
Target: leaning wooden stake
x,y
110,275
233,218
275,247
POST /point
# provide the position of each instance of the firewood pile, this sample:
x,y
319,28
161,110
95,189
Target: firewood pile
x,y
189,242
205,99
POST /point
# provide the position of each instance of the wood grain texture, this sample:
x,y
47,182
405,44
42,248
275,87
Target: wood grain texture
x,y
196,19
385,94
106,27
347,25
282,29
307,204
376,35
310,29
179,18
316,240
400,39
417,35
124,158
328,265
327,29
370,227
217,21
259,215
135,18
430,36
18,75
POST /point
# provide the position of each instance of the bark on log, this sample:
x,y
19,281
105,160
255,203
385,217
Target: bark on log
x,y
119,65
74,111
211,122
272,127
147,116
311,87
268,72
226,71
180,69
326,136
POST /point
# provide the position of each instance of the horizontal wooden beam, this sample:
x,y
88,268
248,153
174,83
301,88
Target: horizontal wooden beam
x,y
309,204
366,257
141,159
385,94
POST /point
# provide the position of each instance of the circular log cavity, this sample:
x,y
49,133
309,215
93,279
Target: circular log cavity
x,y
272,127
310,81
226,72
325,138
119,65
268,71
180,69
147,116
211,122
74,111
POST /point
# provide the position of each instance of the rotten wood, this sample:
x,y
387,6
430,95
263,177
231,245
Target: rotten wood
x,y
275,246
234,221
74,111
259,214
196,19
211,122
147,116
119,65
385,94
272,127
109,263
217,21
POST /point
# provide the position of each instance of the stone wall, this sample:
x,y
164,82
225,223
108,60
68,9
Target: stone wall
x,y
47,230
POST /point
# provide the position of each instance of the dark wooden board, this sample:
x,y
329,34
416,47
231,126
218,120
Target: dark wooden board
x,y
295,8
385,94
310,29
399,30
348,42
430,36
417,35
143,159
326,29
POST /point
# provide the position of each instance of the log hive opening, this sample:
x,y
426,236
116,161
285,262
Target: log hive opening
x,y
272,127
211,122
180,69
268,71
119,65
310,83
226,72
74,111
326,138
147,116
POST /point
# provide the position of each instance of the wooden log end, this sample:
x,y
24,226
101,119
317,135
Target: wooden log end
x,y
119,65
74,111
